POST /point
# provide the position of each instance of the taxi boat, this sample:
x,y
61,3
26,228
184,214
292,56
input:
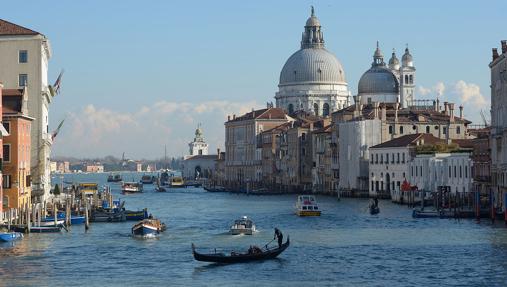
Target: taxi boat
x,y
306,205
148,227
131,187
243,226
177,181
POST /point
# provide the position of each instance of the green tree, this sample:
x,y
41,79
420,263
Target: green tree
x,y
56,191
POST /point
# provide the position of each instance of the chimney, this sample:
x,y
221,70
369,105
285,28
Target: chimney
x,y
504,46
438,105
446,111
451,112
253,113
461,111
383,112
495,53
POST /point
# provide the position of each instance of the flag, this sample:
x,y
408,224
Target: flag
x,y
55,132
55,89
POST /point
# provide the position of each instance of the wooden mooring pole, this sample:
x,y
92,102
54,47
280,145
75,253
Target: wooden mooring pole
x,y
87,222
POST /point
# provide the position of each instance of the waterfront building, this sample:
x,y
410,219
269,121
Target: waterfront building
x,y
243,164
24,59
429,170
198,163
388,83
312,79
3,133
359,127
498,67
390,161
271,154
16,180
322,172
94,167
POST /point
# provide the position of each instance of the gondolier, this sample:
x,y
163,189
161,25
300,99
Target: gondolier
x,y
279,235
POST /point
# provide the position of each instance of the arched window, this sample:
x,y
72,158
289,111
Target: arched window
x,y
316,109
411,79
325,110
401,130
390,129
291,109
406,79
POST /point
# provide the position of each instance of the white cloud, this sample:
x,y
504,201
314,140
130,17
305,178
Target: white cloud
x,y
470,94
439,89
99,131
424,91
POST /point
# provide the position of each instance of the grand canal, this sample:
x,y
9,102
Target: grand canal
x,y
344,247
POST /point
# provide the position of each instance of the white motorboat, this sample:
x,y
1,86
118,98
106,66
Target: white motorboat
x,y
307,206
243,226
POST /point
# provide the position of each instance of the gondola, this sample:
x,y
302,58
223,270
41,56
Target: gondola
x,y
267,253
374,210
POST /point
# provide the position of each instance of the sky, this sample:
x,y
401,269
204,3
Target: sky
x,y
141,75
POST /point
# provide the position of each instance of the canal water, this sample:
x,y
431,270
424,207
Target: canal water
x,y
344,247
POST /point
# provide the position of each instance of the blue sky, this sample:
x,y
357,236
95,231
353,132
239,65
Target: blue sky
x,y
142,74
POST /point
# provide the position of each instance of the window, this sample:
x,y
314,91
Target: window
x,y
23,80
411,79
398,158
7,153
455,171
403,158
403,174
303,151
303,136
411,171
382,158
466,171
458,130
392,158
401,130
460,171
316,109
449,171
444,130
372,185
376,158
390,130
291,109
7,126
6,181
427,129
325,110
23,56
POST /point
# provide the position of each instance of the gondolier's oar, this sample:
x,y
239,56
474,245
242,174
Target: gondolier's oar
x,y
268,243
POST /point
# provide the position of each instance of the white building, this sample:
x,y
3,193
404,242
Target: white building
x,y
198,164
390,162
428,171
388,84
498,141
312,79
24,59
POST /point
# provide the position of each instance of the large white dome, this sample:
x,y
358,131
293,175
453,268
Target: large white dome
x,y
312,66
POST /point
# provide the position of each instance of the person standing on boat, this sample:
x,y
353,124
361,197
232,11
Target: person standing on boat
x,y
279,235
375,201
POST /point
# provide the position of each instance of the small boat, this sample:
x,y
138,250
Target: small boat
x,y
37,229
10,236
243,226
148,227
147,179
114,178
177,181
307,206
108,215
131,187
374,209
74,219
254,254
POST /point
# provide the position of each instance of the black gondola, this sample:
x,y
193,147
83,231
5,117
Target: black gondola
x,y
266,253
374,210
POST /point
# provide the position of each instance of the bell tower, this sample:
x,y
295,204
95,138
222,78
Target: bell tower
x,y
407,79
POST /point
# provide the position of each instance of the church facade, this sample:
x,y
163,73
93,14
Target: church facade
x,y
198,164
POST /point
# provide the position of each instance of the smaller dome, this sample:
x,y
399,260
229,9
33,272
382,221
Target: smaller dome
x,y
313,22
407,60
378,80
394,63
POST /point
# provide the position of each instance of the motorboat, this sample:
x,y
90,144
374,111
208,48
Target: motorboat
x,y
243,226
131,187
10,236
148,227
306,205
253,254
147,179
177,181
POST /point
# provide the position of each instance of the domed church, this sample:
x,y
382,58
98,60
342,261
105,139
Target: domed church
x,y
388,83
312,79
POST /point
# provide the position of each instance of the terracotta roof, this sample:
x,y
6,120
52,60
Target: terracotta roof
x,y
10,29
409,140
326,129
264,114
280,128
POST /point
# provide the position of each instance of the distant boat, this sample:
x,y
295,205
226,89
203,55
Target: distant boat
x,y
254,254
243,226
131,187
374,209
37,229
148,227
177,181
306,205
147,179
114,178
10,236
